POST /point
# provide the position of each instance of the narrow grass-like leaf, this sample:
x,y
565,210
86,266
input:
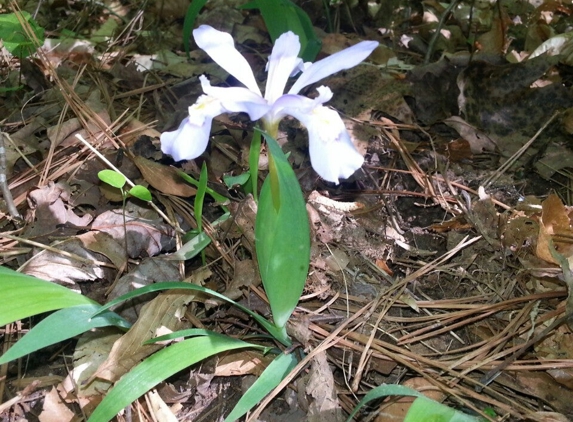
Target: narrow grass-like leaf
x,y
267,381
282,236
191,248
160,366
254,154
200,197
425,409
383,391
23,296
62,325
176,285
216,196
112,178
141,192
189,22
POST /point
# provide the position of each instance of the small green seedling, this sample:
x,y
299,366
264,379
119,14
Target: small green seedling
x,y
118,180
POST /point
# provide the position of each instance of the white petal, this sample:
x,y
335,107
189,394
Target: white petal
x,y
188,141
236,99
336,62
332,153
283,61
297,106
221,48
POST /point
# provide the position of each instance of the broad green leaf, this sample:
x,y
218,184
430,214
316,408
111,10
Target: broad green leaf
x,y
141,192
62,325
14,37
282,236
176,285
112,178
23,296
267,381
160,366
190,16
281,16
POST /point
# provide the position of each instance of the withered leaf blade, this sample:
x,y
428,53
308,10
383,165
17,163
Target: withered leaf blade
x,y
163,178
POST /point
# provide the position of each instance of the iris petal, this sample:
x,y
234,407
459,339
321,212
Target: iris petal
x,y
221,48
336,62
283,61
188,141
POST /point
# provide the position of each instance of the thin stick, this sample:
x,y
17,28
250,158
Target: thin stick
x,y
4,182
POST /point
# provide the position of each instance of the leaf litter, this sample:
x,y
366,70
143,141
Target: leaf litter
x,y
446,258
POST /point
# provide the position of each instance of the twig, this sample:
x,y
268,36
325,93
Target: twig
x,y
4,182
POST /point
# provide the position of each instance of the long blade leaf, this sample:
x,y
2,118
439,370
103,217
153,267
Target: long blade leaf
x,y
57,327
24,296
158,367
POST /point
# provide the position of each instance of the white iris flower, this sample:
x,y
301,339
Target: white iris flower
x,y
332,154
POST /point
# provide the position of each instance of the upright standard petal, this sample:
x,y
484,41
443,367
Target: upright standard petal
x,y
190,139
282,63
221,48
336,62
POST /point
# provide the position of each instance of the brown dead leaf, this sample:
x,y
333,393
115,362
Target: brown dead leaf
x,y
321,386
54,409
145,237
163,178
554,220
242,362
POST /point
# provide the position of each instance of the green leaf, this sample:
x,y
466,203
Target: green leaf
x,y
254,153
267,381
383,391
174,285
14,37
24,296
427,410
239,180
281,16
160,366
112,178
57,327
189,22
200,197
422,409
216,196
141,192
191,248
282,236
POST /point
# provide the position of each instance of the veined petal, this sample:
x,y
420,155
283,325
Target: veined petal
x,y
336,62
188,141
332,153
236,99
283,61
221,48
